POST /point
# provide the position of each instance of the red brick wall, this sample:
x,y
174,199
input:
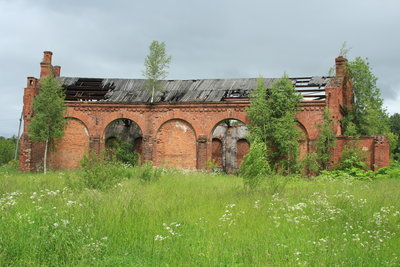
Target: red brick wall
x,y
216,148
70,149
179,134
176,145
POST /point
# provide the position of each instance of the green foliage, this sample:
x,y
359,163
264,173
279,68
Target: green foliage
x,y
126,155
368,114
156,63
123,152
211,165
9,167
7,149
273,122
255,165
48,109
353,156
351,173
394,121
102,172
148,173
326,140
311,164
357,173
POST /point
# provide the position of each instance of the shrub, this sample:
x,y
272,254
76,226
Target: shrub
x,y
100,172
311,165
255,165
125,154
352,157
10,167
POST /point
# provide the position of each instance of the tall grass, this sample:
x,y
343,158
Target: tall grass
x,y
197,219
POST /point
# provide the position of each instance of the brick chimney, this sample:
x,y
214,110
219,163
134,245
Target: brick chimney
x,y
340,66
45,65
57,71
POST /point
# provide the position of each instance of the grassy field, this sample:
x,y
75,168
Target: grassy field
x,y
197,219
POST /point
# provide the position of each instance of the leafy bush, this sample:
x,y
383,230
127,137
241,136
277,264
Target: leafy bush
x,y
393,171
311,165
359,174
353,157
125,154
10,167
255,165
100,172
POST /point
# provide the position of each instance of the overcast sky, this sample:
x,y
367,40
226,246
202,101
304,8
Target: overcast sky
x,y
206,39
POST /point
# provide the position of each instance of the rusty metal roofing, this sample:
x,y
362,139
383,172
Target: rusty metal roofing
x,y
205,90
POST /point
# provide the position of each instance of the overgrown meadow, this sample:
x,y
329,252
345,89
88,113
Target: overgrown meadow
x,y
178,218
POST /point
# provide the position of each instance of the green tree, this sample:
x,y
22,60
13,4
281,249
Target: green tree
x,y
394,121
7,148
326,140
156,64
368,114
48,109
272,115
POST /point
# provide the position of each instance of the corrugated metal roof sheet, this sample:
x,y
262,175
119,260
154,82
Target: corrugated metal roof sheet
x,y
206,90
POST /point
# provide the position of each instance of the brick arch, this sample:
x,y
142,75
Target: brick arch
x,y
213,123
70,148
303,142
175,144
82,117
228,152
196,122
133,135
120,118
110,117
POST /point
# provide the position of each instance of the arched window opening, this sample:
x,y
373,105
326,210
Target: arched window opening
x,y
227,150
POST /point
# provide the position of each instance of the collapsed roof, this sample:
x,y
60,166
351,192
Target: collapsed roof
x,y
205,90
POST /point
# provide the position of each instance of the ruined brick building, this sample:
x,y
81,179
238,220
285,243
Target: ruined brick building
x,y
190,122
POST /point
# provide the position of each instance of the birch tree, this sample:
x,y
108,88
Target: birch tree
x,y
156,63
48,111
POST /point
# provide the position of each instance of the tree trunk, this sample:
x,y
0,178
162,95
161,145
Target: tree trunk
x,y
152,95
45,157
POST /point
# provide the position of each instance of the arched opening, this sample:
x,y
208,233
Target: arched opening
x,y
124,134
303,141
176,145
69,149
229,144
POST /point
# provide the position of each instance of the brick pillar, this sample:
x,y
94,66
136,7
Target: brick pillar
x,y
381,152
25,153
57,71
25,159
201,152
147,149
94,143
